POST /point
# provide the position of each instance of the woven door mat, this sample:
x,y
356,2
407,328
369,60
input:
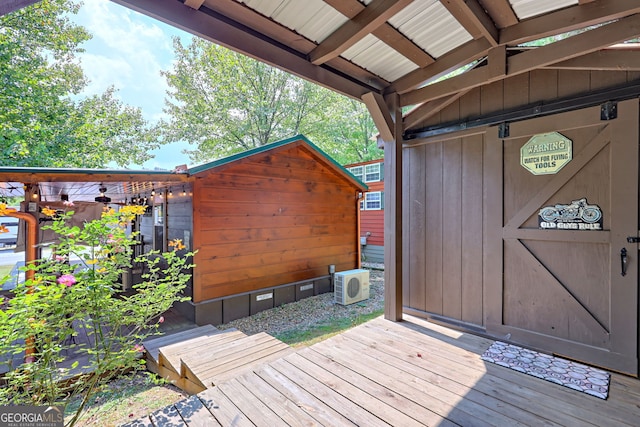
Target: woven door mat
x,y
560,371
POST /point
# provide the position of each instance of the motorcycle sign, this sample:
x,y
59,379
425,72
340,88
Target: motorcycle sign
x,y
578,215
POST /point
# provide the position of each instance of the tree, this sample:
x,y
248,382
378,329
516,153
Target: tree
x,y
225,103
43,122
348,132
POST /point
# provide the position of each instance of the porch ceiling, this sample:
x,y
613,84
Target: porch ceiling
x,y
370,49
85,184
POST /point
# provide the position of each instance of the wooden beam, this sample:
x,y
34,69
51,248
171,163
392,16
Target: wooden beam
x,y
500,12
569,19
472,16
386,33
497,62
418,115
393,243
446,63
354,30
380,113
580,44
602,60
232,35
8,6
194,4
271,30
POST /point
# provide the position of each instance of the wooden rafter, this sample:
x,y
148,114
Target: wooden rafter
x,y
569,19
271,30
472,16
578,45
354,30
453,60
386,33
603,60
194,4
553,23
501,12
381,115
429,109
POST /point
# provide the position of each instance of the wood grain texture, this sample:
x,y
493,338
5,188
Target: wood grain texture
x,y
269,220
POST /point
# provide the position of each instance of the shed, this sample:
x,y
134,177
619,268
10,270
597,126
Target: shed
x,y
269,224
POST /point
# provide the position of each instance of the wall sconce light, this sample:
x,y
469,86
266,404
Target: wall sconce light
x,y
170,192
153,191
184,192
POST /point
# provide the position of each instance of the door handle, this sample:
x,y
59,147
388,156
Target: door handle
x,y
623,261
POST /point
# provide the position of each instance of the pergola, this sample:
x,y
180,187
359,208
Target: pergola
x,y
392,54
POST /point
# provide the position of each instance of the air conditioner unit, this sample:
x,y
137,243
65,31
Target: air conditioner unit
x,y
351,286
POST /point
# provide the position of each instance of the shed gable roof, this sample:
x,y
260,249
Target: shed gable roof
x,y
298,140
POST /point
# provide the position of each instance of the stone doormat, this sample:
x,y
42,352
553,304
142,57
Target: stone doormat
x,y
560,371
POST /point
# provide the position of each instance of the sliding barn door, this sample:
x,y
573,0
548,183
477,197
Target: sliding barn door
x,y
562,275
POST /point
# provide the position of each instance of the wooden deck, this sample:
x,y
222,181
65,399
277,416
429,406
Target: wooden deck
x,y
411,373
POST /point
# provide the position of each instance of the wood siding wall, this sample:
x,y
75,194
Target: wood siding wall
x,y
372,222
269,220
444,257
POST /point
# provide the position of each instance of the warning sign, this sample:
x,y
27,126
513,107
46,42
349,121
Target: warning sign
x,y
546,153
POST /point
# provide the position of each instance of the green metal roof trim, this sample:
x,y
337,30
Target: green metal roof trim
x,y
264,148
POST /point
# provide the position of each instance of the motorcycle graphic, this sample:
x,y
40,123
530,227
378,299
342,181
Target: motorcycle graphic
x,y
576,210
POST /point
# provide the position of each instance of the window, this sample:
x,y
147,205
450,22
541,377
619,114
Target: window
x,y
372,172
357,171
373,201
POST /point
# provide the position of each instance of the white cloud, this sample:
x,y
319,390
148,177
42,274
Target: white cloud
x,y
128,51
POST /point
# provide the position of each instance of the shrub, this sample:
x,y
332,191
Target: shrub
x,y
61,298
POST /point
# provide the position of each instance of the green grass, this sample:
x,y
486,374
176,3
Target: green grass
x,y
322,331
126,399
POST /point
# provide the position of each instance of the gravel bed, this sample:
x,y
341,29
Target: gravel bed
x,y
312,311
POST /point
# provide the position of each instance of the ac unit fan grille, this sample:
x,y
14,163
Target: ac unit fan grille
x,y
353,287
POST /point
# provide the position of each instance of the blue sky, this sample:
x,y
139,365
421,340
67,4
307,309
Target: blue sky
x,y
128,50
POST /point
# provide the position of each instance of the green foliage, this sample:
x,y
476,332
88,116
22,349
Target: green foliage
x,y
225,103
42,121
62,299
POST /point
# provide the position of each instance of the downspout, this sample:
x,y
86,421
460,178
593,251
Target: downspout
x,y
29,259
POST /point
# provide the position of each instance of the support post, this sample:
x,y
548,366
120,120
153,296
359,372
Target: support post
x,y
393,217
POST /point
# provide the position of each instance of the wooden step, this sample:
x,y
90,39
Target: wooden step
x,y
169,356
153,345
217,364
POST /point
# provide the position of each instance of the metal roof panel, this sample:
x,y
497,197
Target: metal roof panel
x,y
376,56
314,19
430,25
530,8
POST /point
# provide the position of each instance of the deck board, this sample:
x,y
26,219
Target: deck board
x,y
406,373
